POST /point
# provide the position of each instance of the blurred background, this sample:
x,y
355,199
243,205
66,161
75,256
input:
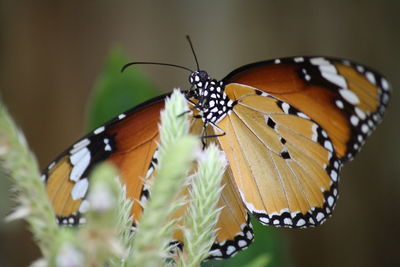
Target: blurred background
x,y
52,54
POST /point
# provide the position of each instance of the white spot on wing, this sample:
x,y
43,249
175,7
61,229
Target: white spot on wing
x,y
287,221
74,158
285,107
149,172
327,210
300,222
346,62
320,216
334,175
349,96
298,59
360,113
230,250
336,164
242,243
80,188
385,98
365,128
385,84
335,78
360,68
80,167
328,145
83,143
264,220
319,61
328,68
314,128
249,235
121,116
216,253
354,120
370,76
339,104
302,115
51,165
99,130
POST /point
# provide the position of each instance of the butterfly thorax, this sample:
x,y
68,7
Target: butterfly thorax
x,y
208,96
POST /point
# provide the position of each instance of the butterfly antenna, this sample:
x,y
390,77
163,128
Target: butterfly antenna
x,y
194,54
154,63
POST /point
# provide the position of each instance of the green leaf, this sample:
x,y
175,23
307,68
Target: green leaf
x,y
116,92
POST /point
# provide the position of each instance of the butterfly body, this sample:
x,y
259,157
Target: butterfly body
x,y
208,96
286,126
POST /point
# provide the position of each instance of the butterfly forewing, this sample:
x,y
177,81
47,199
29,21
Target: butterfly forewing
x,y
130,142
346,99
123,141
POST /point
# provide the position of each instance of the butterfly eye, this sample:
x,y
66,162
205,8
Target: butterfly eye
x,y
203,75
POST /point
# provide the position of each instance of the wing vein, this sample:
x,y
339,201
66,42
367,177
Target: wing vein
x,y
251,171
280,179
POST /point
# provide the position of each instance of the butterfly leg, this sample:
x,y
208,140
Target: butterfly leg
x,y
222,132
194,106
204,135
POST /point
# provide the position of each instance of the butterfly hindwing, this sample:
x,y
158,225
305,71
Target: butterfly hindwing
x,y
283,163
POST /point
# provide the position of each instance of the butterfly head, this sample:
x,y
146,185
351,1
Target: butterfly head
x,y
198,78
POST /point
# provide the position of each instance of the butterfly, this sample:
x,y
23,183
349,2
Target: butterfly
x,y
286,126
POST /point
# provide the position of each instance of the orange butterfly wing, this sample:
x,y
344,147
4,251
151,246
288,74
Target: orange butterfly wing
x,y
345,98
129,141
294,122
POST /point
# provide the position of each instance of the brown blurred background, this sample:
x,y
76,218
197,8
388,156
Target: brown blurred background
x,y
51,53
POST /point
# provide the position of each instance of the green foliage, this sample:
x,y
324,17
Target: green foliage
x,y
92,245
18,162
116,92
203,213
176,153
